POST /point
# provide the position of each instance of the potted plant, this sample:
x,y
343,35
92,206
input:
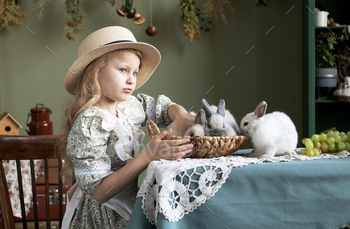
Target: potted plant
x,y
325,42
326,72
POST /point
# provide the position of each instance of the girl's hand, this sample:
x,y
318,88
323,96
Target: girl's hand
x,y
158,148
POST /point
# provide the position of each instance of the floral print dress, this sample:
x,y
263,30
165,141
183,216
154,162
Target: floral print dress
x,y
98,145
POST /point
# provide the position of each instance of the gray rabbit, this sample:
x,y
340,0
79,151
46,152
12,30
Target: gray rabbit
x,y
220,122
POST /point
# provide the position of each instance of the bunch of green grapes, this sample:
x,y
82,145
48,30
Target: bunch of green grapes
x,y
331,142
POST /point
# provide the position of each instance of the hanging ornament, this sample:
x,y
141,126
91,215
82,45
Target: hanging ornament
x,y
138,19
122,11
131,11
128,5
151,30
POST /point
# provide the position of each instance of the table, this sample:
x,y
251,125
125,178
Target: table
x,y
293,194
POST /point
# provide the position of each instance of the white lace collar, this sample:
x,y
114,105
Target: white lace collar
x,y
133,110
130,111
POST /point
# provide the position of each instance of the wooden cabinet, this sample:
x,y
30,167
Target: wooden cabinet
x,y
321,115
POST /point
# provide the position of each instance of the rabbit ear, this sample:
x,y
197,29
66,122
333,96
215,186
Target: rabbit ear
x,y
221,108
206,107
260,110
200,117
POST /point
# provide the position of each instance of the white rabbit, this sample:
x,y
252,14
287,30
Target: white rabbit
x,y
271,134
197,129
220,122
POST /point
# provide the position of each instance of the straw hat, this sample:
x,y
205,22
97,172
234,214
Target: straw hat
x,y
105,40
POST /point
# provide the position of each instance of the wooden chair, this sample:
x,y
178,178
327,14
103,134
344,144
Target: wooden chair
x,y
28,148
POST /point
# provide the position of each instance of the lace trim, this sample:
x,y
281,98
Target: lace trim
x,y
101,169
177,188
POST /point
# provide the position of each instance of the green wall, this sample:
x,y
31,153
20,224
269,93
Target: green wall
x,y
270,71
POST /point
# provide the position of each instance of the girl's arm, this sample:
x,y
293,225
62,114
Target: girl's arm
x,y
163,111
155,150
185,120
117,181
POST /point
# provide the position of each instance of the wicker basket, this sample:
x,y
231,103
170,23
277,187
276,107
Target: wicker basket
x,y
208,146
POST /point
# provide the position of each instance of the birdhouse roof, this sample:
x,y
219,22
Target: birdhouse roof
x,y
7,115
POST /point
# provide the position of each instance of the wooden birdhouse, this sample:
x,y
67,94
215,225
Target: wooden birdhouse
x,y
8,125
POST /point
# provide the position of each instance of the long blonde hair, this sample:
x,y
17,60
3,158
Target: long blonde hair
x,y
87,92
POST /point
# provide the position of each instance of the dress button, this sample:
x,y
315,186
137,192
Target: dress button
x,y
129,138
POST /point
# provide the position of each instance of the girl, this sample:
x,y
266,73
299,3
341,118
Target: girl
x,y
102,136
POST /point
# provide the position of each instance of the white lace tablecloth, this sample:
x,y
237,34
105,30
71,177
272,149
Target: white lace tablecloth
x,y
176,188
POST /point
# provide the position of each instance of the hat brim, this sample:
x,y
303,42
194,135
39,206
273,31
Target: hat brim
x,y
150,60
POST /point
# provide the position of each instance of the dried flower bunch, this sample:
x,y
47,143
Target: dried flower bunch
x,y
192,16
215,7
203,22
10,14
75,17
39,7
190,20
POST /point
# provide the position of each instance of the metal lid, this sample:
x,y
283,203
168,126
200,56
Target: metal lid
x,y
39,109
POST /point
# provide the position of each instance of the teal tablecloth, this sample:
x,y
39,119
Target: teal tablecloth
x,y
295,194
